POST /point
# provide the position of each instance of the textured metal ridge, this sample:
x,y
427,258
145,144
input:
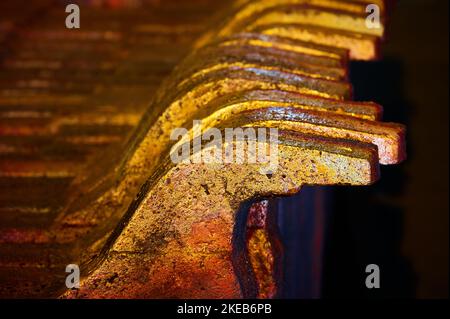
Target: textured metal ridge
x,y
141,226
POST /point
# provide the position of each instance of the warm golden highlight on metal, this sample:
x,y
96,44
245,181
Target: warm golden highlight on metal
x,y
95,147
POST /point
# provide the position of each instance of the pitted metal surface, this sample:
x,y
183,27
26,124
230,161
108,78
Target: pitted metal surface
x,y
142,226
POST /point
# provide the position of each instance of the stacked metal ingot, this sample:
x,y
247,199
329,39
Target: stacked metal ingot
x,y
68,96
139,224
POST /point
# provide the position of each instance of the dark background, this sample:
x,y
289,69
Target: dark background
x,y
401,222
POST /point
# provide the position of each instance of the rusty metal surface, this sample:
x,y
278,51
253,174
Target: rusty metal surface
x,y
66,98
94,158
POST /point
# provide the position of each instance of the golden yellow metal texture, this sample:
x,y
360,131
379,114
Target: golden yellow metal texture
x,y
315,16
181,228
360,46
337,23
243,11
142,226
195,231
68,97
